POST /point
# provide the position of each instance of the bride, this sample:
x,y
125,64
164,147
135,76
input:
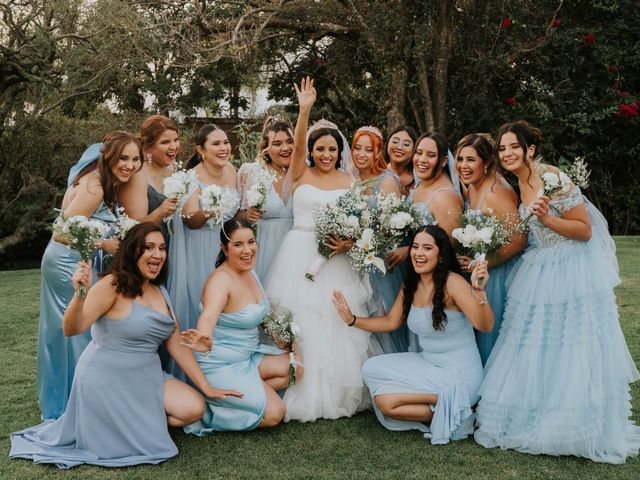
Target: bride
x,y
332,352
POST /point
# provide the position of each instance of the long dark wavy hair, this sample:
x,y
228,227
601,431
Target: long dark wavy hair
x,y
447,262
112,146
128,278
323,132
526,135
226,232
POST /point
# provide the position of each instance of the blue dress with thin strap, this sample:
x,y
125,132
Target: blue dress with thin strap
x,y
233,363
115,416
57,355
448,366
193,254
385,288
557,380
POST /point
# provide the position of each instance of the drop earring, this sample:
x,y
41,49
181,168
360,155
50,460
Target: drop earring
x,y
149,159
486,169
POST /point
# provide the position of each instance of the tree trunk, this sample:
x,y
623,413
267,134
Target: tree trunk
x,y
396,96
441,65
427,103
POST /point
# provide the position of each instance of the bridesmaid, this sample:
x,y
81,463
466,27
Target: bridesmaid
x,y
398,153
557,381
142,198
274,156
489,192
92,192
227,345
368,159
121,402
431,391
195,243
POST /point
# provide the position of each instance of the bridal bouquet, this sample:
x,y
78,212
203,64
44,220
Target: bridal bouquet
x,y
482,234
279,325
364,253
556,183
216,201
259,190
124,223
179,185
395,220
344,218
81,233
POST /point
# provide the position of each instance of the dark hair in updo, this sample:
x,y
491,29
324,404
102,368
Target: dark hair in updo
x,y
447,262
128,278
526,135
441,147
226,232
323,132
200,140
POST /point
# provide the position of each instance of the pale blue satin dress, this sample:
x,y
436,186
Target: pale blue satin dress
x,y
192,258
448,366
275,223
115,416
385,288
57,355
557,380
233,363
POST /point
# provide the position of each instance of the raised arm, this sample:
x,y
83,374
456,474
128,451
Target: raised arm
x,y
388,323
82,312
306,98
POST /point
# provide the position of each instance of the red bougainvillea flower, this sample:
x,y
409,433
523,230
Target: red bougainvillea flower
x,y
512,101
629,110
506,22
624,94
555,23
589,38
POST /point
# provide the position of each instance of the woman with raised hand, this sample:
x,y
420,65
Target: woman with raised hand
x,y
557,380
92,192
275,218
398,152
431,391
227,345
488,192
195,243
333,354
143,198
122,403
368,160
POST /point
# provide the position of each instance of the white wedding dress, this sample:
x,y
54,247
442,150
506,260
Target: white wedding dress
x,y
332,352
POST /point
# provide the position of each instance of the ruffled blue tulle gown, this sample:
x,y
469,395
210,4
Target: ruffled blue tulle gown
x,y
385,288
557,380
233,363
192,257
275,223
448,366
57,355
115,416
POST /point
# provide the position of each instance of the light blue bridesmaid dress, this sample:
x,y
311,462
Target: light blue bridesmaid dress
x,y
274,224
557,379
496,289
233,363
448,366
57,355
385,288
115,416
192,258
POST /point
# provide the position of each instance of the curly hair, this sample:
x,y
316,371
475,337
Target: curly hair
x,y
127,277
447,262
275,125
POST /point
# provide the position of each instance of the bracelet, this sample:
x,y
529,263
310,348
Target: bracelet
x,y
481,301
353,321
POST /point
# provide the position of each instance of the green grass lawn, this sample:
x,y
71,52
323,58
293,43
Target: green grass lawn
x,y
352,447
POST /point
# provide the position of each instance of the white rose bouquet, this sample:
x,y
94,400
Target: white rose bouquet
x,y
395,220
81,233
481,234
179,185
216,201
279,325
124,223
259,190
345,218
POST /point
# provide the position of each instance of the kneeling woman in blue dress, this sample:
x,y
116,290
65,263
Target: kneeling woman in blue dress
x,y
431,391
234,304
121,402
